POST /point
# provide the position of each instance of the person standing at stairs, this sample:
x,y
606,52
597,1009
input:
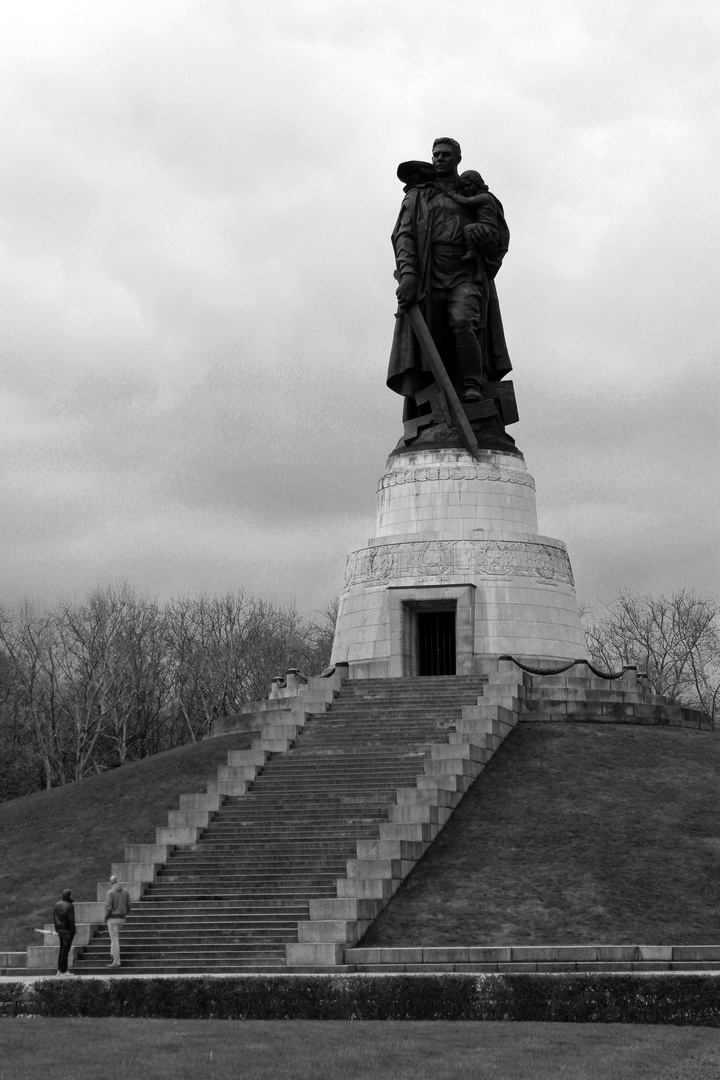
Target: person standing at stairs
x,y
64,921
117,909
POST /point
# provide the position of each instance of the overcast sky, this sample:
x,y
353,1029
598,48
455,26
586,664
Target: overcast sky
x,y
197,199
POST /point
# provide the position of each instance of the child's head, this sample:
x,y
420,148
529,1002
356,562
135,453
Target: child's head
x,y
472,183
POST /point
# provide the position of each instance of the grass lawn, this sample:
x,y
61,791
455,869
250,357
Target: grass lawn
x,y
574,834
38,1049
66,838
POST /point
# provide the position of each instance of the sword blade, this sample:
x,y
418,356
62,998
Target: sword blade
x,y
434,361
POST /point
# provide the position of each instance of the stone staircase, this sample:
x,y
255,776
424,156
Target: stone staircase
x,y
290,844
291,853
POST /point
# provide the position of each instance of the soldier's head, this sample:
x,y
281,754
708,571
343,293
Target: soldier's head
x,y
446,156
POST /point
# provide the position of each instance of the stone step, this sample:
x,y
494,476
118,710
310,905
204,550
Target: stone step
x,y
391,687
307,838
278,847
321,790
212,937
299,832
248,948
174,916
299,839
196,892
166,914
292,876
341,762
351,815
247,815
338,761
318,777
191,967
385,731
386,724
218,854
293,886
349,762
244,873
374,743
350,812
253,836
238,864
333,807
273,955
369,714
410,682
341,766
349,804
326,802
242,945
250,875
252,871
223,953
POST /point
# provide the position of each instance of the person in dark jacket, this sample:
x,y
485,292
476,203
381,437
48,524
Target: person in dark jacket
x,y
64,920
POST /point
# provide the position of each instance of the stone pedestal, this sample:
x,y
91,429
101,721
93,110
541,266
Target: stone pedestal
x,y
457,535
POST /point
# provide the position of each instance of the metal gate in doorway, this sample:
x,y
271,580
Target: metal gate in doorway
x,y
435,642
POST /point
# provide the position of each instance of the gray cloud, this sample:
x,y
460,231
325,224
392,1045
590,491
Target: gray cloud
x,y
195,206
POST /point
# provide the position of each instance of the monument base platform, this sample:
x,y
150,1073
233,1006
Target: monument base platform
x,y
456,572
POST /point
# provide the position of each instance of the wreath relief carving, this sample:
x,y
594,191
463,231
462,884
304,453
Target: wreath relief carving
x,y
498,560
503,473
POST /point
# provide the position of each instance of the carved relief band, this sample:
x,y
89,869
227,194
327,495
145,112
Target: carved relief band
x,y
457,472
495,560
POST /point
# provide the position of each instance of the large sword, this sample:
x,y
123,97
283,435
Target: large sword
x,y
434,362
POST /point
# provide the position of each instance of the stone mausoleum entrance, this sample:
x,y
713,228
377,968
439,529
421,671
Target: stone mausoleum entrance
x,y
458,532
430,635
435,642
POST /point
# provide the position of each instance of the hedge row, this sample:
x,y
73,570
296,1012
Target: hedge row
x,y
598,998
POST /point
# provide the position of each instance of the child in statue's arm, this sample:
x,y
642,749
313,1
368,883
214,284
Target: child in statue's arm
x,y
474,193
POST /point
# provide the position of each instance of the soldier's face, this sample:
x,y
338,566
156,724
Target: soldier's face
x,y
445,159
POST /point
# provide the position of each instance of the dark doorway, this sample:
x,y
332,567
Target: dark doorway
x,y
435,642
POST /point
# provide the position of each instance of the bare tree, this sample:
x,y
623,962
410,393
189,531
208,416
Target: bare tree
x,y
224,651
29,640
139,677
88,686
675,640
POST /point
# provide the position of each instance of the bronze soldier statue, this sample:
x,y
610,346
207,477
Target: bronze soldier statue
x,y
450,240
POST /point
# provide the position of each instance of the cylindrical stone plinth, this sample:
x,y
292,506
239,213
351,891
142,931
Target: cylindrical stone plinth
x,y
448,493
453,533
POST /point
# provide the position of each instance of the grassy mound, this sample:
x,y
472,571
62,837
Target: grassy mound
x,y
574,834
66,838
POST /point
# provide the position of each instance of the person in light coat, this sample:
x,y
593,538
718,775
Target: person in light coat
x,y
117,909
